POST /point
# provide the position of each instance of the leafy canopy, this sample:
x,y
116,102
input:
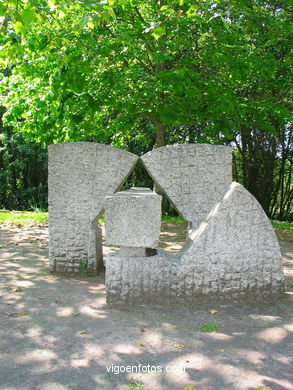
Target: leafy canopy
x,y
104,70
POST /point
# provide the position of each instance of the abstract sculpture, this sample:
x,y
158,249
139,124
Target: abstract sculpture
x,y
231,252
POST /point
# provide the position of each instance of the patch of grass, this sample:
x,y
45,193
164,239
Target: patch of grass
x,y
282,225
135,385
166,218
23,218
101,219
263,388
83,269
209,327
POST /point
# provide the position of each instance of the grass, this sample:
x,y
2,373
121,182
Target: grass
x,y
282,225
23,218
83,269
135,385
166,218
209,327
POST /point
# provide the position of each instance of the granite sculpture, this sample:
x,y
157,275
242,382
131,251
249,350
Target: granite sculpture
x,y
81,175
231,252
127,223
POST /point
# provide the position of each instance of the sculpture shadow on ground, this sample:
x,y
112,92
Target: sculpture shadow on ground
x,y
58,333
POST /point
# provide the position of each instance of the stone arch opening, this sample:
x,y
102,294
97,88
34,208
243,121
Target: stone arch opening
x,y
173,226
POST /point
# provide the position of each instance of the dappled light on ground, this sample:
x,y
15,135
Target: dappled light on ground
x,y
58,333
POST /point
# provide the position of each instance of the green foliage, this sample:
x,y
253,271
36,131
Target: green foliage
x,y
23,218
135,385
209,327
23,173
171,219
105,70
263,388
282,225
83,269
135,74
190,387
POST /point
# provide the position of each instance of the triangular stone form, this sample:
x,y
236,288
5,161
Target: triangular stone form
x,y
193,176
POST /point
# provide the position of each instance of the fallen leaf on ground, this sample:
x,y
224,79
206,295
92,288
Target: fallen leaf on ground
x,y
222,350
179,346
82,332
17,289
14,314
213,311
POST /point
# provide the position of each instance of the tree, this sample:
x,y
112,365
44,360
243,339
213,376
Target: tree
x,y
139,73
23,172
91,70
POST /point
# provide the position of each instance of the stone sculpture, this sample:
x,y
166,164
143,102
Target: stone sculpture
x,y
81,174
233,255
231,252
127,223
193,176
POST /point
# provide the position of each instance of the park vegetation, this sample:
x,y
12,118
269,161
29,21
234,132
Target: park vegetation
x,y
142,74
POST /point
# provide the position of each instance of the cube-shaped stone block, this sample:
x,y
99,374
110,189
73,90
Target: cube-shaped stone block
x,y
133,218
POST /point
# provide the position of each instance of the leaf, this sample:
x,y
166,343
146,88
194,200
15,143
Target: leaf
x,y
14,314
28,16
179,346
222,350
83,21
91,25
181,2
213,311
158,32
18,27
190,387
2,9
16,289
82,332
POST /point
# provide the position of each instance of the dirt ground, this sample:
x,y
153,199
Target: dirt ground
x,y
58,333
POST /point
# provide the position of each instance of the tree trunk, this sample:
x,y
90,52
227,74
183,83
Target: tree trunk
x,y
160,133
160,141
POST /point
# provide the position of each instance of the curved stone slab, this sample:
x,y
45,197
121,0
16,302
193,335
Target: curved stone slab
x,y
193,176
232,256
81,174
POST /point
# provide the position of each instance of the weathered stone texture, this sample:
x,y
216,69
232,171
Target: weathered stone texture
x,y
133,218
81,174
194,176
233,255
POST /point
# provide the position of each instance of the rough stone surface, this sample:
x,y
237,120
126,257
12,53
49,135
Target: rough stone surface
x,y
233,255
133,218
81,174
133,251
194,176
